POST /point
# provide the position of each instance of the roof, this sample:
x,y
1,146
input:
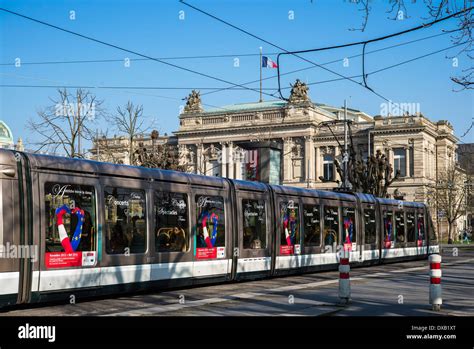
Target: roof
x,y
249,106
276,104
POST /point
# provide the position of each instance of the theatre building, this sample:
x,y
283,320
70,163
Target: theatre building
x,y
284,143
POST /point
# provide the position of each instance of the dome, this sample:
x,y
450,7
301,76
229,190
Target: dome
x,y
6,137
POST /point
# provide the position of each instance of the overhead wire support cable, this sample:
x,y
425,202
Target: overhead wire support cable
x,y
422,26
337,60
295,53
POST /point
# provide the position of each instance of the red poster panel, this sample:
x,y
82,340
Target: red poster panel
x,y
206,253
63,259
286,250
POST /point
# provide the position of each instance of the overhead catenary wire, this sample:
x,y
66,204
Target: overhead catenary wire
x,y
128,50
219,89
337,60
228,88
295,53
122,87
138,59
387,67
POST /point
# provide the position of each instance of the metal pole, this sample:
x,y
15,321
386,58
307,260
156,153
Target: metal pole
x,y
79,102
261,99
436,197
345,156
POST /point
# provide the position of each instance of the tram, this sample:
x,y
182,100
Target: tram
x,y
82,227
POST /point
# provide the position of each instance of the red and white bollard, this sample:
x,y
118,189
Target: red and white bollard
x,y
344,278
435,282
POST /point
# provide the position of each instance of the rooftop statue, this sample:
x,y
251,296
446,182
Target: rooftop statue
x,y
193,103
299,92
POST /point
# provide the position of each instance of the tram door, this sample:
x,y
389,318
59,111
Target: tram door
x,y
9,229
254,234
212,238
349,230
369,236
69,239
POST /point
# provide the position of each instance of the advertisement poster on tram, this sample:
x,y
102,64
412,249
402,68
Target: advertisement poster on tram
x,y
210,228
70,234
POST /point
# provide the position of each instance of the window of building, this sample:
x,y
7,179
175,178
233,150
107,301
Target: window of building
x,y
125,220
411,226
70,225
255,229
399,161
370,225
312,226
388,228
349,225
400,226
331,226
210,225
171,222
290,226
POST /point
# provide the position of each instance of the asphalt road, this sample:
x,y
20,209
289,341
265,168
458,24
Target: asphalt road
x,y
396,289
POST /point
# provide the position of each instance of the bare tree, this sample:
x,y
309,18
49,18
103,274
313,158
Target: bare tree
x,y
449,196
108,149
164,156
463,35
129,120
64,124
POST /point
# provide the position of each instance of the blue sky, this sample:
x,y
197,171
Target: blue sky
x,y
154,28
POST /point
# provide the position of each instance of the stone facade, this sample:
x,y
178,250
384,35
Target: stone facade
x,y
116,149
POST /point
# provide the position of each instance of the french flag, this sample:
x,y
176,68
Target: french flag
x,y
268,63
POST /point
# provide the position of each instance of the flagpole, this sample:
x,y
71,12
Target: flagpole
x,y
261,99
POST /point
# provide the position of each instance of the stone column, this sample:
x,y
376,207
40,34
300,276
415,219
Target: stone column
x,y
238,160
223,159
199,162
318,163
287,173
230,160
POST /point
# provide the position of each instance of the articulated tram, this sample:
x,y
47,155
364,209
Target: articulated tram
x,y
83,227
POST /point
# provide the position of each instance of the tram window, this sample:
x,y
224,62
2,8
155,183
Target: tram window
x,y
210,224
70,218
171,222
370,226
420,229
349,225
411,227
255,229
312,227
388,227
399,226
331,226
289,223
125,220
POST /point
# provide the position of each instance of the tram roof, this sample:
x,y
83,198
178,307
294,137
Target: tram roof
x,y
323,194
104,168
